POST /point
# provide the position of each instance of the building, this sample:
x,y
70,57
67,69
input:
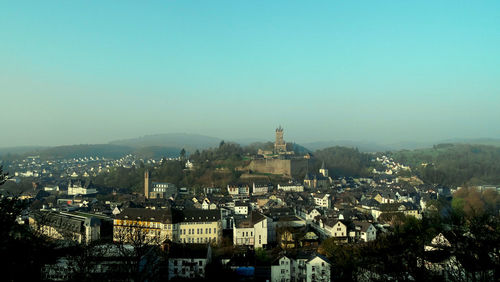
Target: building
x,y
261,189
282,269
200,226
188,262
291,187
364,231
334,228
158,190
322,200
301,267
251,230
148,226
318,269
66,226
156,226
162,190
241,208
80,187
238,191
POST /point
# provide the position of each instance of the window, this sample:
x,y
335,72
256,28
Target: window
x,y
200,263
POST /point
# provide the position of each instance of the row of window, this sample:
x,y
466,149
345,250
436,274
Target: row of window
x,y
198,231
199,240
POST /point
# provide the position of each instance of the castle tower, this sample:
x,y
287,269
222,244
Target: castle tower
x,y
146,184
279,145
323,170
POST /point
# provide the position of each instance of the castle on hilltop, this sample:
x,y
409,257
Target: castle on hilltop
x,y
280,147
280,160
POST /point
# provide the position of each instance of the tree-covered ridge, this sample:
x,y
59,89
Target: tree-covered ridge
x,y
222,165
344,161
454,164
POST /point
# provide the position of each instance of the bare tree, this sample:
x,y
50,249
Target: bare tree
x,y
140,249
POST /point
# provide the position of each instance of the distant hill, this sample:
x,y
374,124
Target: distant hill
x,y
362,146
475,141
156,152
20,150
396,146
190,142
84,150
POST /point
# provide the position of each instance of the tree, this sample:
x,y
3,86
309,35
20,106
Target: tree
x,y
182,154
24,253
139,248
3,176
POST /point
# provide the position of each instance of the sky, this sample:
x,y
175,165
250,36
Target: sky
x,y
84,72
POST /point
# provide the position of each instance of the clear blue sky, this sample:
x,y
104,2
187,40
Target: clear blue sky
x,y
76,72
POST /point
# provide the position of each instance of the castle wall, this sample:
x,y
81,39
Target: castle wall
x,y
288,168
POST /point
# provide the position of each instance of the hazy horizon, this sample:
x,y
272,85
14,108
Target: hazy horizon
x,y
90,72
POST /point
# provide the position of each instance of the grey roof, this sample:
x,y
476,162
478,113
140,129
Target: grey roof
x,y
157,215
196,215
249,221
363,225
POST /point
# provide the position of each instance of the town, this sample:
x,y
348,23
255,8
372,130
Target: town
x,y
280,218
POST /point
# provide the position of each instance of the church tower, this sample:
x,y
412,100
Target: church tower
x,y
323,170
279,145
146,184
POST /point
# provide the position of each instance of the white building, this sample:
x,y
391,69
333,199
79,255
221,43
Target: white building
x,y
322,200
251,230
240,208
238,191
291,187
301,268
282,270
364,231
78,187
334,228
318,269
260,189
188,262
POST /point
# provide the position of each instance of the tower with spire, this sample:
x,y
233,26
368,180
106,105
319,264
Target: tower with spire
x,y
323,170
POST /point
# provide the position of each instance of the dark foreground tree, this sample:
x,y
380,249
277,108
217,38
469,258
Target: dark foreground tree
x,y
23,253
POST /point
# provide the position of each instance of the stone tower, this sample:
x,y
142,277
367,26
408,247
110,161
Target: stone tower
x,y
323,170
146,184
279,145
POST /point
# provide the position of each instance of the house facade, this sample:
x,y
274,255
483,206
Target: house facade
x,y
251,230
